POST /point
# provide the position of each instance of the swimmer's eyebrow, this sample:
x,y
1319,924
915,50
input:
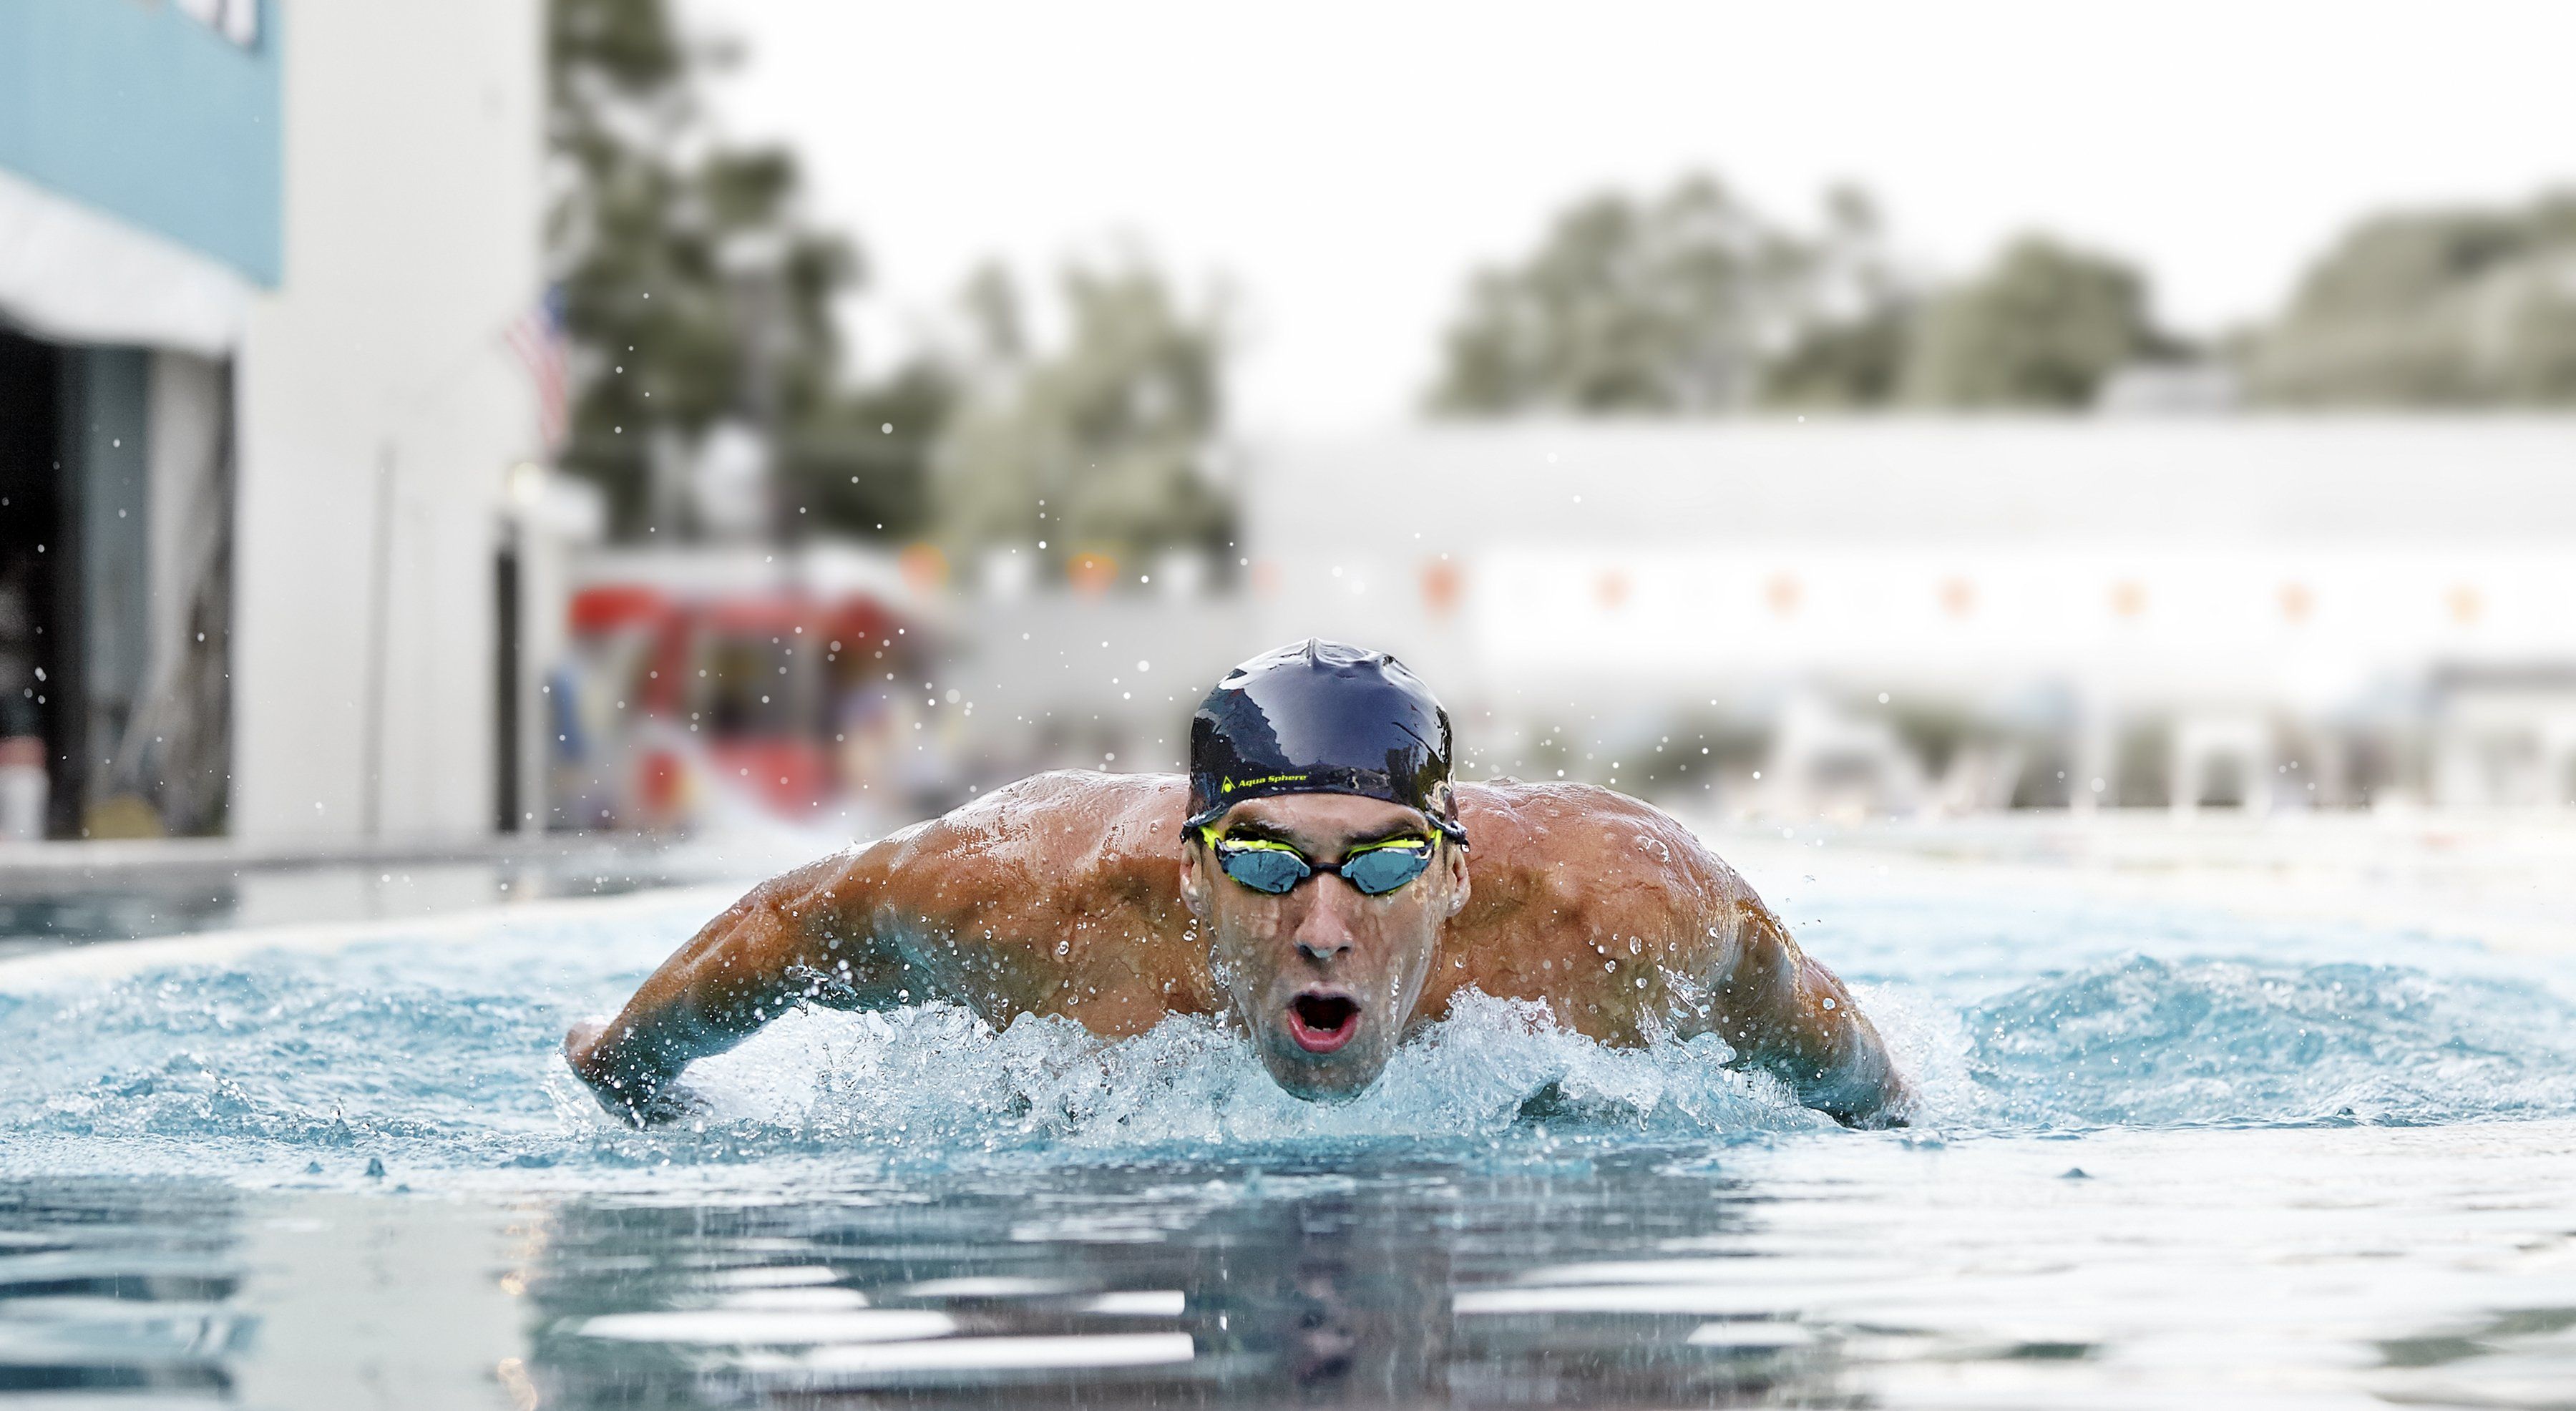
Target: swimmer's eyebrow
x,y
1390,832
1254,830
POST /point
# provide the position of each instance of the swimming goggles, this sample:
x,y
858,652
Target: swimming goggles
x,y
1276,868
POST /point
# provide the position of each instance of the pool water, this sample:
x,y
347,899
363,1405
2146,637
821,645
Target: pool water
x,y
2174,1152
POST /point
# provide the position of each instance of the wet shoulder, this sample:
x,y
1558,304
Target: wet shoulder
x,y
1067,839
1582,855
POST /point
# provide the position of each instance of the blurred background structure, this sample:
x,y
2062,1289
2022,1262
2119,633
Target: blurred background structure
x,y
258,268
422,423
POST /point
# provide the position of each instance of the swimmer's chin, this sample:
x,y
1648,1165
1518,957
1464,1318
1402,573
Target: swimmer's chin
x,y
1325,1083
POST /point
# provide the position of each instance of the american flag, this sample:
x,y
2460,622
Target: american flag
x,y
537,336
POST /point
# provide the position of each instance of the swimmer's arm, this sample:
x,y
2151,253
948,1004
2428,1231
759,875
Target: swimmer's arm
x,y
1796,1020
804,936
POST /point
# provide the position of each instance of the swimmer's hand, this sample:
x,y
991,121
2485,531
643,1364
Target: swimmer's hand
x,y
671,1102
630,1093
1894,1106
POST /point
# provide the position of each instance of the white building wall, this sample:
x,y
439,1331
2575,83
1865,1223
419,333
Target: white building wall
x,y
2288,559
412,234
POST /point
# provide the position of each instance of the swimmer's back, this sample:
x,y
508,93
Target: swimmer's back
x,y
1057,894
1060,894
1579,894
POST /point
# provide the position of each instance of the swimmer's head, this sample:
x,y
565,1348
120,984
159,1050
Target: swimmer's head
x,y
1318,717
1323,856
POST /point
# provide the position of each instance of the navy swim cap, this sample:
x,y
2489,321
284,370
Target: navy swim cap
x,y
1321,718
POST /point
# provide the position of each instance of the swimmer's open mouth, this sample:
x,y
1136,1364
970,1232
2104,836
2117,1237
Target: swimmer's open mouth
x,y
1321,1023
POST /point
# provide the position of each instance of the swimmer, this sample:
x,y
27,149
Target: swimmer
x,y
1318,883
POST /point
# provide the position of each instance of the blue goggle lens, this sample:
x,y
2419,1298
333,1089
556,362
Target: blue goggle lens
x,y
1264,869
1277,871
1382,870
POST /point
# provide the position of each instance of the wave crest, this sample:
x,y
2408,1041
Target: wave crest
x,y
940,1077
2146,1042
272,1063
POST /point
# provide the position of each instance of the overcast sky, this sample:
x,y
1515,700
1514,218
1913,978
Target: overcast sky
x,y
1346,166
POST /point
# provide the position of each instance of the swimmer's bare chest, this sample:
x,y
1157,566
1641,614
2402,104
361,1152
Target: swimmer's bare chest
x,y
1064,899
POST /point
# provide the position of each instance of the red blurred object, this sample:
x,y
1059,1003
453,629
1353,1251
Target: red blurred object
x,y
661,786
740,687
611,606
780,613
857,620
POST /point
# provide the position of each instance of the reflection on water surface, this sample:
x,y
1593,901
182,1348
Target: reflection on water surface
x,y
106,1291
2351,1267
1307,1280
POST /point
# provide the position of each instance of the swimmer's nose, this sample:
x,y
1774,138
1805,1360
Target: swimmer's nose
x,y
1322,933
1314,948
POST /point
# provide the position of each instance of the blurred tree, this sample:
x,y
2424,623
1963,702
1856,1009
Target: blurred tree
x,y
1666,305
1843,363
861,466
1102,447
696,292
2446,308
2040,329
1850,349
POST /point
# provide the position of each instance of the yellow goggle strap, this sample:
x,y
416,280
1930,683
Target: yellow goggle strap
x,y
1207,832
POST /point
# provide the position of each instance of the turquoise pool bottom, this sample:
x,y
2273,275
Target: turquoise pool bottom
x,y
2318,1165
